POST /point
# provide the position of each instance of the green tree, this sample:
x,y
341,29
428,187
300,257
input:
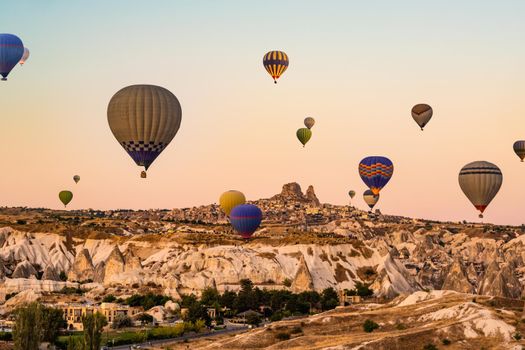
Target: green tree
x,y
27,330
253,318
329,299
210,296
93,326
228,299
36,323
110,298
121,321
369,326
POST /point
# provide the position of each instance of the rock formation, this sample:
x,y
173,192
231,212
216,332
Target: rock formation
x,y
303,279
24,270
82,269
457,280
115,264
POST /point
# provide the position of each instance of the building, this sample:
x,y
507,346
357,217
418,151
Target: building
x,y
73,313
348,299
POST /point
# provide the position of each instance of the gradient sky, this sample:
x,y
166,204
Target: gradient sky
x,y
357,67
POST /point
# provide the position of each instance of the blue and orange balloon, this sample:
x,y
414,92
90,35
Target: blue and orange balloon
x,y
11,52
376,172
245,219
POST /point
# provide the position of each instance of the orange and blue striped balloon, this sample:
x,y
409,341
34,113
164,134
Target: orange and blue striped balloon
x,y
375,172
276,63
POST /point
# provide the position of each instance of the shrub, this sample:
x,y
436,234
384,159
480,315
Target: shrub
x,y
110,298
287,282
430,346
6,336
282,336
121,321
296,330
517,336
276,317
401,326
62,276
369,326
446,341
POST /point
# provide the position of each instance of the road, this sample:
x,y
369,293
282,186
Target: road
x,y
184,337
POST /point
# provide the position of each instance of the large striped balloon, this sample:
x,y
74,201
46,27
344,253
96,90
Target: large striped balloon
x,y
245,219
144,119
519,149
375,172
11,51
276,62
480,181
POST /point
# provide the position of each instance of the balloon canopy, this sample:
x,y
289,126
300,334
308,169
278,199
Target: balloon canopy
x,y
11,52
309,122
276,62
422,113
519,149
480,181
230,199
65,197
144,119
76,178
375,172
245,219
304,135
370,198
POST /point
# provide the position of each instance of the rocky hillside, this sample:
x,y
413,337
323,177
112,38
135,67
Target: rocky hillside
x,y
445,319
345,246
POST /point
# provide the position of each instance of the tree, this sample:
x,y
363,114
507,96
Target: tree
x,y
329,299
246,285
52,320
93,326
36,323
121,321
110,298
210,296
228,299
369,326
27,330
253,318
145,318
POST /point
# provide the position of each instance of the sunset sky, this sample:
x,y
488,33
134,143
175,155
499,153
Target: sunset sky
x,y
357,67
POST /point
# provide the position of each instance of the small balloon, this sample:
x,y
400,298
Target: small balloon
x,y
76,178
65,197
309,122
304,135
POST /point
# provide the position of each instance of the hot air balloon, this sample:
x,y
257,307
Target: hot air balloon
x,y
144,119
230,199
245,219
76,178
519,149
309,122
304,134
351,193
65,197
25,56
480,181
375,172
11,51
275,63
422,114
370,198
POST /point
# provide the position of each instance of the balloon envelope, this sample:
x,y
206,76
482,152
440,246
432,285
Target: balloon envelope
x,y
375,172
351,193
76,178
230,199
144,119
245,219
480,181
275,63
309,122
422,114
370,198
65,197
11,51
304,135
519,149
25,56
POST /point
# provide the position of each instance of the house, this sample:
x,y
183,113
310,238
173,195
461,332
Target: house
x,y
73,313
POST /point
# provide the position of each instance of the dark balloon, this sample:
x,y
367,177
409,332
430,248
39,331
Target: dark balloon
x,y
376,172
11,52
245,219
